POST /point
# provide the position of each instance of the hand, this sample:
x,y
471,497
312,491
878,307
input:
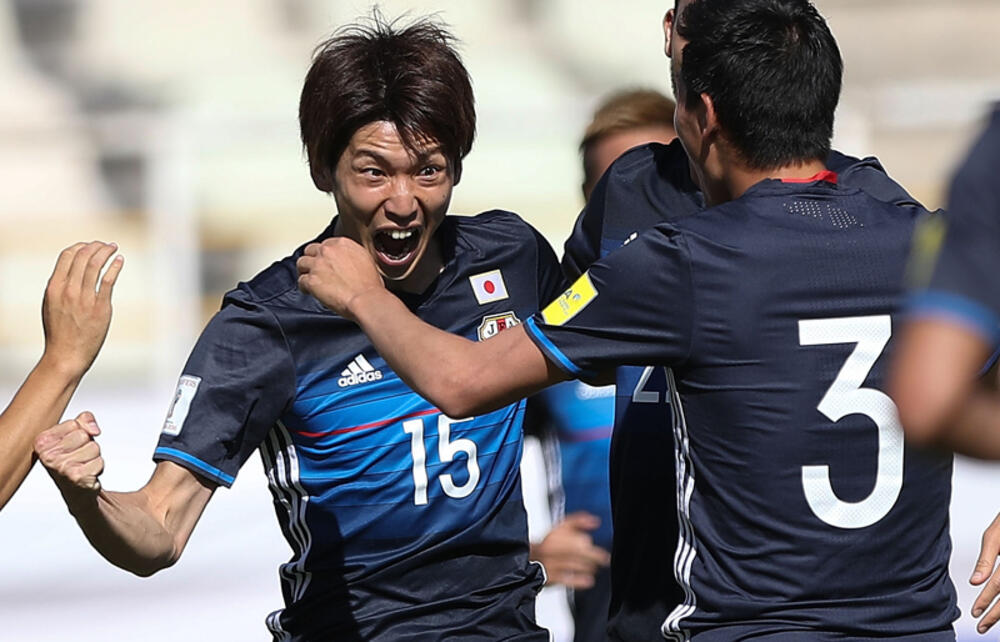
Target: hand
x,y
75,313
336,271
984,571
70,454
568,552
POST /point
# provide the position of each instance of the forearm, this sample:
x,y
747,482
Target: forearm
x,y
459,376
38,404
975,429
125,528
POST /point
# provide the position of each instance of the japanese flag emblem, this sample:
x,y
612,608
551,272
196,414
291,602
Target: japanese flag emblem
x,y
489,287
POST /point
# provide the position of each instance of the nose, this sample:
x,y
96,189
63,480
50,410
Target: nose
x,y
402,206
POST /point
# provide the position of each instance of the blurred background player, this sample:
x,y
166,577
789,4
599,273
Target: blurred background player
x,y
768,339
405,524
952,330
574,420
76,314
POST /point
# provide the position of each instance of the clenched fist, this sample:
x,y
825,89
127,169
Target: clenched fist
x,y
70,454
335,271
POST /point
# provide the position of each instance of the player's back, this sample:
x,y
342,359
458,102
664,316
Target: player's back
x,y
802,509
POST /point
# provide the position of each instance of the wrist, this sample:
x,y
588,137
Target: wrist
x,y
361,305
57,368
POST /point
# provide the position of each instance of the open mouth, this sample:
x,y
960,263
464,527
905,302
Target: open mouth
x,y
396,247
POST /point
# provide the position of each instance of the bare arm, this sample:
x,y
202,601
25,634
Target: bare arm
x,y
76,316
459,376
941,398
142,531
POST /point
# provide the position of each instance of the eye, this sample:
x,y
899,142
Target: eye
x,y
372,171
430,171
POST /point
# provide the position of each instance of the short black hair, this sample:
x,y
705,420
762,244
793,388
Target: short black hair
x,y
375,70
773,71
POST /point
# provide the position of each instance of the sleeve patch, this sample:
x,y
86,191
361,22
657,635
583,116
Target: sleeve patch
x,y
571,302
187,387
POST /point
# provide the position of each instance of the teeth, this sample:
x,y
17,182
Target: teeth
x,y
399,235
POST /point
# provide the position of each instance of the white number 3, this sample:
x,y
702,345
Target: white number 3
x,y
846,397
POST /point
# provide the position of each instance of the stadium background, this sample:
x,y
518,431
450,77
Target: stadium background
x,y
170,127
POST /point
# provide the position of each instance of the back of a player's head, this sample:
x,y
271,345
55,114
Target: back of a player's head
x,y
409,75
624,111
773,71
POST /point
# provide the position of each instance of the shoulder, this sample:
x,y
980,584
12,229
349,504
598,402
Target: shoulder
x,y
275,285
666,161
489,230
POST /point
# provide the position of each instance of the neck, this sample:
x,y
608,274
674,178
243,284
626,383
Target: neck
x,y
738,178
424,272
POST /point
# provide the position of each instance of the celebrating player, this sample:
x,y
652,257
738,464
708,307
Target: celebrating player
x,y
76,314
802,513
406,524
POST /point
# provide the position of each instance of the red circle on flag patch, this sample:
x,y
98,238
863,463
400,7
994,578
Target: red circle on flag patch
x,y
489,287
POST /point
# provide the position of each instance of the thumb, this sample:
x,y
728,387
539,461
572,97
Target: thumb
x,y
87,421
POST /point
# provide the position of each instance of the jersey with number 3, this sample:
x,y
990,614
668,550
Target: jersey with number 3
x,y
405,524
803,515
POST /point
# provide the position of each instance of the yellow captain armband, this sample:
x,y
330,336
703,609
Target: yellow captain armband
x,y
570,302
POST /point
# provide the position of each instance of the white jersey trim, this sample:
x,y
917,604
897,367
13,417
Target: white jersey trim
x,y
281,465
686,542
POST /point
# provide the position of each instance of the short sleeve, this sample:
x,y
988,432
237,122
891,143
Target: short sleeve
x,y
963,284
235,386
634,307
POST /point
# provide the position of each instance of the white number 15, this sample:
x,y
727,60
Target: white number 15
x,y
846,396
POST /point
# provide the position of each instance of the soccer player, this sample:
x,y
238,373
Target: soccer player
x,y
649,185
953,328
803,515
576,419
76,314
624,120
406,524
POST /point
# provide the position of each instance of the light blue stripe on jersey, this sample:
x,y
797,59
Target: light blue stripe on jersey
x,y
551,350
935,303
211,471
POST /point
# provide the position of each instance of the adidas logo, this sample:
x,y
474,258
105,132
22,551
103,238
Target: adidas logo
x,y
358,371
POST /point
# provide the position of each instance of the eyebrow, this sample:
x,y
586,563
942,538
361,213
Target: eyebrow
x,y
421,156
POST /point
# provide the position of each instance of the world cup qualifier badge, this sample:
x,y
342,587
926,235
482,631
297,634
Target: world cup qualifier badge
x,y
496,323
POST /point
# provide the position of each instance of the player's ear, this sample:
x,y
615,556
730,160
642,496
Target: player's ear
x,y
707,118
668,25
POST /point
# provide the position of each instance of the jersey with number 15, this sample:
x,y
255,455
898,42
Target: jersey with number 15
x,y
405,524
803,515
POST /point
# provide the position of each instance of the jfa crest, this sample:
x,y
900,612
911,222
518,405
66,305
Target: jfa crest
x,y
496,323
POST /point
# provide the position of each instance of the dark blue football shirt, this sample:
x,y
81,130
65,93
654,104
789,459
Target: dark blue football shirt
x,y
801,510
963,286
405,524
646,186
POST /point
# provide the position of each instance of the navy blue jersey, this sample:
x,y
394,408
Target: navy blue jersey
x,y
964,282
646,186
800,508
405,524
